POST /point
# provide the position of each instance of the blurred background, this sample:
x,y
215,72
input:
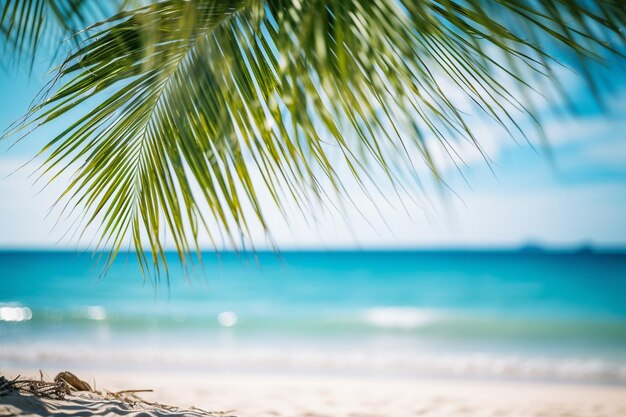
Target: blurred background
x,y
517,271
527,314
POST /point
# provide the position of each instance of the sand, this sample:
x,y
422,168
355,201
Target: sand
x,y
278,395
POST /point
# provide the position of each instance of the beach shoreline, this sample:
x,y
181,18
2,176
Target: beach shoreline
x,y
280,394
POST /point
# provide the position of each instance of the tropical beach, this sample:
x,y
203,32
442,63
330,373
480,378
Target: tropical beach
x,y
333,333
321,208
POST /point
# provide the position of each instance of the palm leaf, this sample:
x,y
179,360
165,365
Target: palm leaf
x,y
190,108
27,26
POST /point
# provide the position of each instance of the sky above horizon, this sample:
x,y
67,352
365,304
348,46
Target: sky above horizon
x,y
575,198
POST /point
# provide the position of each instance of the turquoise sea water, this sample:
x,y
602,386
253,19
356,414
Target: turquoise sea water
x,y
498,314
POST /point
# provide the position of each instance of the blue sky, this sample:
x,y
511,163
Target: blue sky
x,y
577,199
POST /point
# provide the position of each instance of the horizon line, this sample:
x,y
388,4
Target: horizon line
x,y
525,248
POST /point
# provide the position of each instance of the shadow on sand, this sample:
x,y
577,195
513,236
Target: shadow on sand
x,y
88,404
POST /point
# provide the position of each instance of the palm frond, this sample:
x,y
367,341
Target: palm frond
x,y
189,108
27,26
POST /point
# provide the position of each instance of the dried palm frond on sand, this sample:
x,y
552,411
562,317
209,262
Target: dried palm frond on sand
x,y
68,394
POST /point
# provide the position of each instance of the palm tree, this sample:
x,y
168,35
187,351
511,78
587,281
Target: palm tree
x,y
181,111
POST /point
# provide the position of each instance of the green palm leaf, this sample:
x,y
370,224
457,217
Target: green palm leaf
x,y
27,26
189,108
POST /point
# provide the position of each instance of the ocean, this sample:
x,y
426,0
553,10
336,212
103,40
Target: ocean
x,y
520,315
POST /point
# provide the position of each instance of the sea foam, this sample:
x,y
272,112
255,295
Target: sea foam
x,y
400,317
302,359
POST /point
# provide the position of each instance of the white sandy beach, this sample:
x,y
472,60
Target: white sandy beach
x,y
258,395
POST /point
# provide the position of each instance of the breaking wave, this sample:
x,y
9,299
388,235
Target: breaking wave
x,y
301,359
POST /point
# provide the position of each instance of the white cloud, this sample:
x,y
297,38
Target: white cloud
x,y
23,209
489,216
